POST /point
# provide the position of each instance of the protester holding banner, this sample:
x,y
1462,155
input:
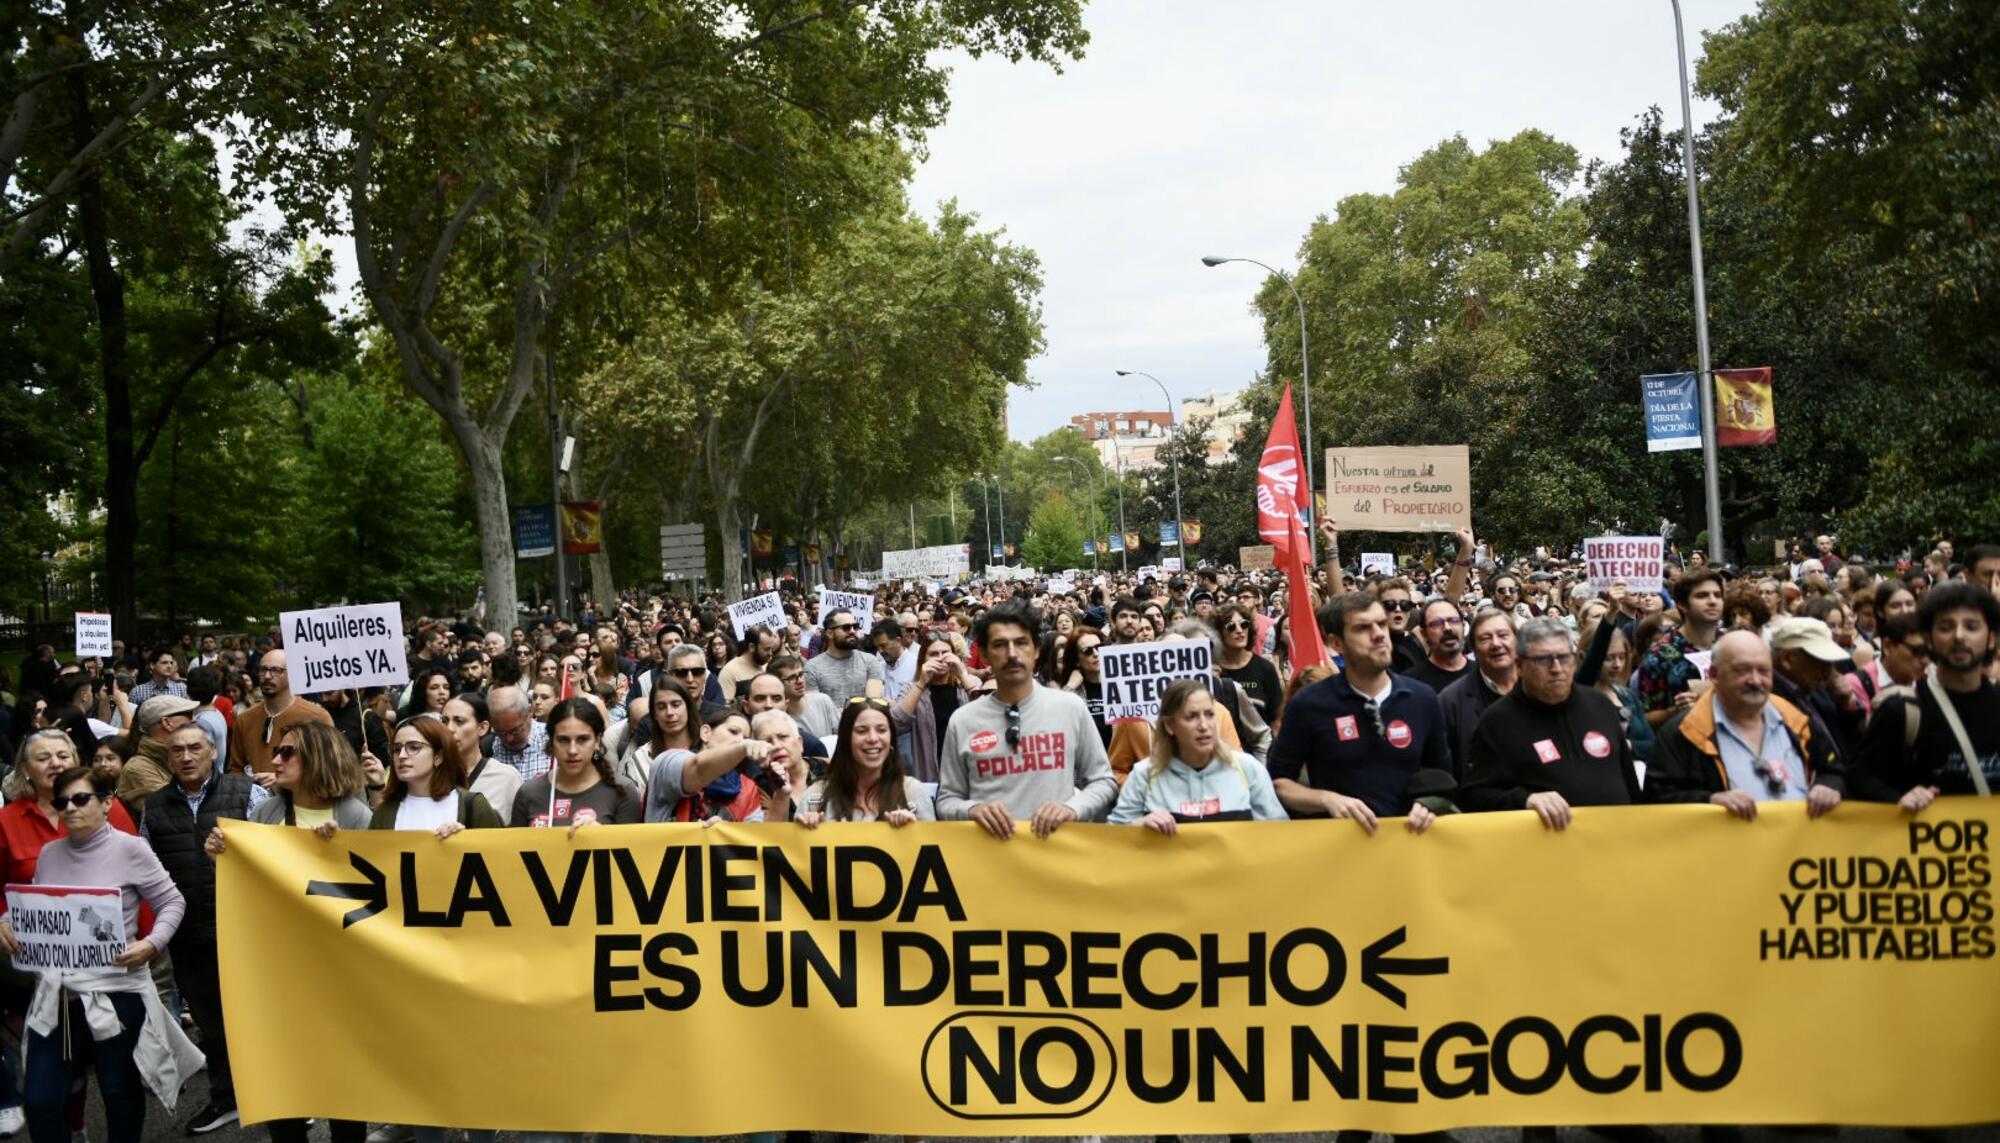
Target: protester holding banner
x,y
95,1019
1192,775
1023,751
719,783
1741,744
1359,735
30,821
865,780
465,716
318,783
579,788
426,787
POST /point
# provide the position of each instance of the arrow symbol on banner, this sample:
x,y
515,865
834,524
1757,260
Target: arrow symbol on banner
x,y
374,891
1376,964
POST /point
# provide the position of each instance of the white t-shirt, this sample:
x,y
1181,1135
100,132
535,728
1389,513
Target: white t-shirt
x,y
426,813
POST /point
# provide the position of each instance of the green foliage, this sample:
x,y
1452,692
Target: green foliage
x,y
1055,534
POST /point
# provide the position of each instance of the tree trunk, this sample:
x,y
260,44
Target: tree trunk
x,y
496,525
121,469
729,524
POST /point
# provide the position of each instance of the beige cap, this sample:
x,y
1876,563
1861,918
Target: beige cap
x,y
1809,635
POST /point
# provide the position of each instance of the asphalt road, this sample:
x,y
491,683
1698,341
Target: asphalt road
x,y
161,1127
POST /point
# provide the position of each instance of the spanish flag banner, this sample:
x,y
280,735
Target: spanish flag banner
x,y
762,545
1191,532
582,527
1648,965
1745,413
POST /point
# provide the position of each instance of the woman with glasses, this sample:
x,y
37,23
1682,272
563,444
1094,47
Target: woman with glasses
x,y
865,780
718,784
102,1021
426,788
1192,775
1240,664
1082,666
942,686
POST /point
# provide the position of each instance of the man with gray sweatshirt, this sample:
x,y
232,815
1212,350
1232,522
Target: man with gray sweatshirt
x,y
1023,751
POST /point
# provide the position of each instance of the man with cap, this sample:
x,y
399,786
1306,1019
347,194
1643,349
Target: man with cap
x,y
1740,744
1807,673
147,769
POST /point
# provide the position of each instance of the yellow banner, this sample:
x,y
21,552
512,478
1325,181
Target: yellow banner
x,y
1650,965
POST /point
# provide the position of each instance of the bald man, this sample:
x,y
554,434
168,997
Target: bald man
x,y
260,727
1740,744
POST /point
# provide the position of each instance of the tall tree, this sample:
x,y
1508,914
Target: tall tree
x,y
488,157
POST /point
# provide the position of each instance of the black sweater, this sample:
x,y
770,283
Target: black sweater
x,y
1576,749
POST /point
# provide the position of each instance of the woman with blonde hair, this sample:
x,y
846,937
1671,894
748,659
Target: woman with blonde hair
x,y
1192,775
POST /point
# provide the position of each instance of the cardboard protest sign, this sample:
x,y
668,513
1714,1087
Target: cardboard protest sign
x,y
1137,674
1256,557
861,604
1635,559
67,929
340,648
93,635
758,611
1427,488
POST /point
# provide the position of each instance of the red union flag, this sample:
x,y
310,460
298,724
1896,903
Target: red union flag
x,y
1281,493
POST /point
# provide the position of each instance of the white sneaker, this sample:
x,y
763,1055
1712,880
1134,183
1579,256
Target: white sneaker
x,y
12,1119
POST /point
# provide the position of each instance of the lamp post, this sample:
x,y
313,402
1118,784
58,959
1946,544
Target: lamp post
x,y
1000,494
986,506
1705,380
1305,385
1173,417
1098,472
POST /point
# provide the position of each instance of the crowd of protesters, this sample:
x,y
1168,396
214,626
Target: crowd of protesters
x,y
1467,686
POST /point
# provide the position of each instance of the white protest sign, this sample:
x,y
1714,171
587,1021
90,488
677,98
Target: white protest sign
x,y
1171,563
1136,675
862,605
93,635
1634,559
1148,572
68,929
758,611
336,648
1060,587
1384,562
1703,661
937,562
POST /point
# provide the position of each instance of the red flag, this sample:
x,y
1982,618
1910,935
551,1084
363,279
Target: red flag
x,y
1281,494
568,682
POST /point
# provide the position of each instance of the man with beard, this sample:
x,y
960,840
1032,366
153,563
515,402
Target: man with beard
x,y
1125,616
1443,631
1465,702
759,644
259,729
1741,745
1918,748
1023,751
844,671
1550,744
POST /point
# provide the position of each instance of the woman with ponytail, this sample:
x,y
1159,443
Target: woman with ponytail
x,y
579,789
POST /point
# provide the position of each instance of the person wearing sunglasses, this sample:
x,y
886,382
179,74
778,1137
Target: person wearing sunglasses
x,y
100,1021
1238,661
1025,751
844,670
1741,744
1082,666
1904,653
1550,745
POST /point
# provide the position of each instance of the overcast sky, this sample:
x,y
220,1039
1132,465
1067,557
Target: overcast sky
x,y
1193,127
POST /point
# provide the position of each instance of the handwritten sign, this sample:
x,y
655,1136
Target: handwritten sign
x,y
1137,674
1427,488
341,648
1635,559
1256,557
67,929
940,562
758,611
830,601
93,635
1384,562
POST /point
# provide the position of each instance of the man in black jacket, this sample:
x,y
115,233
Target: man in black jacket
x,y
1495,671
1550,744
1742,745
176,821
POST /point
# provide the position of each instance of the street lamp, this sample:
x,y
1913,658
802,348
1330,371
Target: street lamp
x,y
1706,378
1097,471
1305,384
1173,416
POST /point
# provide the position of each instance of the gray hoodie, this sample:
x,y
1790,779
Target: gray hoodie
x,y
1058,758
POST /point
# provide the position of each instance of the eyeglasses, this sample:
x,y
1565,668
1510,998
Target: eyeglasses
x,y
1399,605
1090,649
794,677
1236,625
1920,650
1551,662
402,748
1444,621
1013,727
77,801
270,671
688,672
286,752
1506,591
